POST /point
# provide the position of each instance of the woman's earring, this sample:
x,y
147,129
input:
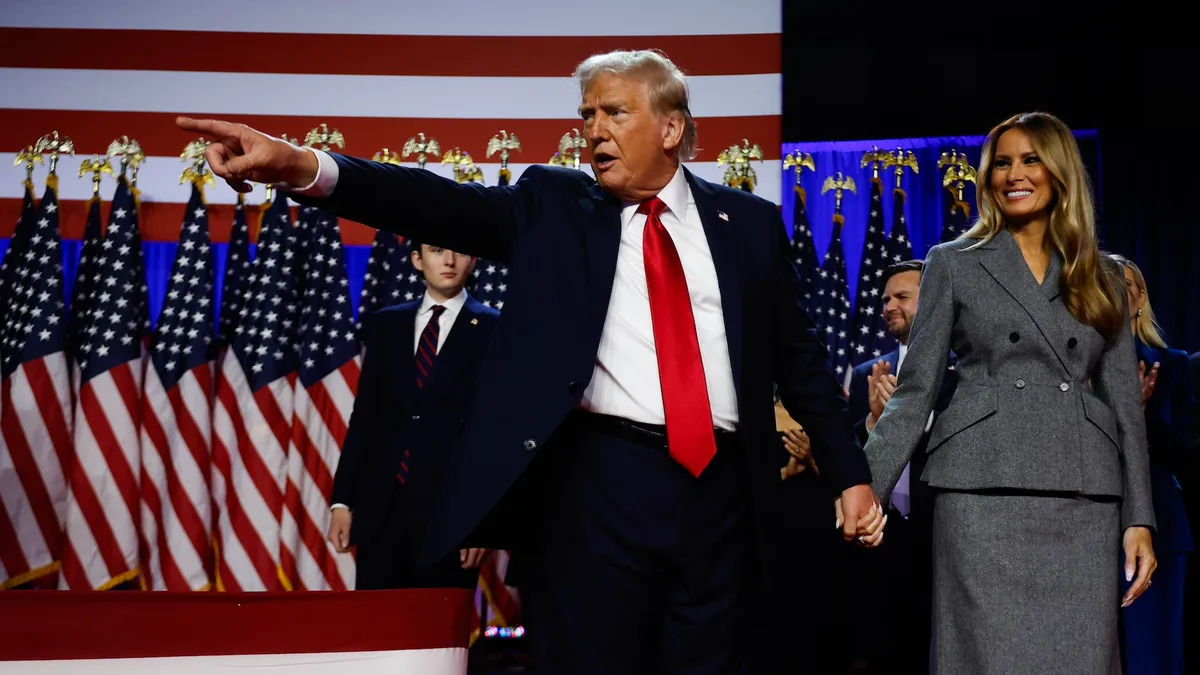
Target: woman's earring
x,y
1139,311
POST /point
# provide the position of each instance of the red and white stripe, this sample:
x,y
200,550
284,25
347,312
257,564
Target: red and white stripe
x,y
251,434
380,72
36,452
102,547
176,501
321,415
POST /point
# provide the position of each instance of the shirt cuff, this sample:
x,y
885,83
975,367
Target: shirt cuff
x,y
325,181
339,506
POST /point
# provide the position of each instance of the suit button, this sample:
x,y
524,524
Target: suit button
x,y
1064,387
1071,343
1020,383
575,387
416,417
530,445
1014,336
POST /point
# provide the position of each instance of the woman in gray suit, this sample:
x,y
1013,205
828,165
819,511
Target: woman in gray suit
x,y
1039,461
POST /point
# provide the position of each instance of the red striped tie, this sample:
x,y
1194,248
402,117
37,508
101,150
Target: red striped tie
x,y
690,437
426,355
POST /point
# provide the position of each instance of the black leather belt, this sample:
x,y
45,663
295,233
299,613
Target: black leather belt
x,y
653,435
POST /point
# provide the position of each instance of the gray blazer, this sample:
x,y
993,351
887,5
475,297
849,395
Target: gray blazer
x,y
1043,401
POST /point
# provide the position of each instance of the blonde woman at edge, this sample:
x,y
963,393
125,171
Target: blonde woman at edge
x,y
1040,461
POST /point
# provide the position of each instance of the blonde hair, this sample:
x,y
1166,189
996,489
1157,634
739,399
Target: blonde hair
x,y
666,85
1091,295
1145,326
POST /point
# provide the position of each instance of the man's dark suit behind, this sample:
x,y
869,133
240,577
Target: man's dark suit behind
x,y
392,415
902,594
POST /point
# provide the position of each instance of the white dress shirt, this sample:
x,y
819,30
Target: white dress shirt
x,y
625,382
445,323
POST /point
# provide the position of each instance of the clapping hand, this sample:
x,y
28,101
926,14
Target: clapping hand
x,y
1148,382
881,384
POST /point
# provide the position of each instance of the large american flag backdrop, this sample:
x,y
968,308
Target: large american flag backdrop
x,y
192,454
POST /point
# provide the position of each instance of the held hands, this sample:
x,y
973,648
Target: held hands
x,y
1139,560
239,154
881,384
860,516
1148,382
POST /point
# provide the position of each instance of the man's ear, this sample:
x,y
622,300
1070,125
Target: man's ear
x,y
417,262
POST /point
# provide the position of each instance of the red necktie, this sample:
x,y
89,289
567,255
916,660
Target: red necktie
x,y
690,437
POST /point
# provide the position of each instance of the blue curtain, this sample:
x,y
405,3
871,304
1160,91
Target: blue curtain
x,y
928,203
158,257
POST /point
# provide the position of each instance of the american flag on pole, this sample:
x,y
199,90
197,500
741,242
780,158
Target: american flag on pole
x,y
831,304
177,418
899,246
386,281
871,339
237,270
86,270
35,398
252,417
103,509
15,254
329,366
804,251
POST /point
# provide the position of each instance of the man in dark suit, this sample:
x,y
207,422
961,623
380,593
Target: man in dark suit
x,y
901,569
627,396
422,361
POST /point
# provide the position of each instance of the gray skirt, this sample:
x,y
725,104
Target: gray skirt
x,y
1025,584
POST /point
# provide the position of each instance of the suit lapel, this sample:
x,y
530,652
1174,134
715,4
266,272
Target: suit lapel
x,y
725,244
1008,267
459,343
602,239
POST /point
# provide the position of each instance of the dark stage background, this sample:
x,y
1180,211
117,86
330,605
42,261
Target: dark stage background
x,y
881,75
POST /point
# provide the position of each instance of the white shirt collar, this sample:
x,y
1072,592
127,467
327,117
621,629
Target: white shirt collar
x,y
453,305
674,194
900,358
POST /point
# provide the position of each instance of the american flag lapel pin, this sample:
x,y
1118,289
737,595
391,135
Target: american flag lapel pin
x,y
474,322
722,216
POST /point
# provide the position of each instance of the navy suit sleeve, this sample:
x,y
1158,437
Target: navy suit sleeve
x,y
365,414
860,405
807,386
1168,424
465,217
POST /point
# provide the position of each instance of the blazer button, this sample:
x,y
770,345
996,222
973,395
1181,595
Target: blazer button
x,y
575,387
1064,387
1020,383
1014,336
416,417
1071,343
530,445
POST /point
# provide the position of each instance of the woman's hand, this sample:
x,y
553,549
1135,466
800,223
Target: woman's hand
x,y
1140,560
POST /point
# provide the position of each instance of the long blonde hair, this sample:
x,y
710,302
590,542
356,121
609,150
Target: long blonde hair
x,y
1145,326
1091,295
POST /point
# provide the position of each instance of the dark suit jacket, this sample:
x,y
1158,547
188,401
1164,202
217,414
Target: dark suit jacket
x,y
860,408
391,414
559,233
1168,427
